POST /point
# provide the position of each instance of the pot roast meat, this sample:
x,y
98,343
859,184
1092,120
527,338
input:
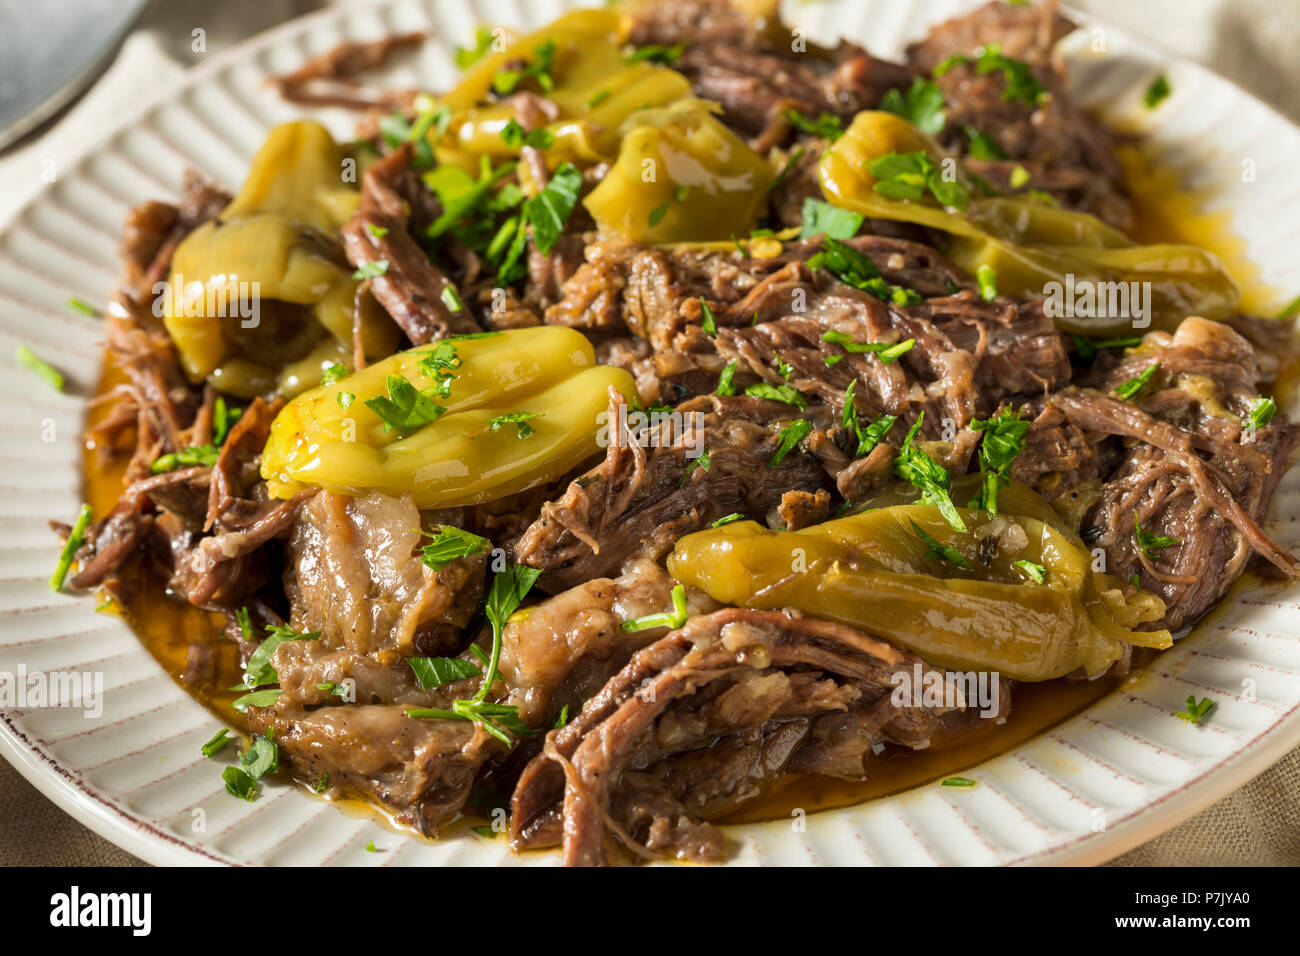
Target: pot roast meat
x,y
1193,473
642,498
411,287
353,575
775,667
420,770
1065,151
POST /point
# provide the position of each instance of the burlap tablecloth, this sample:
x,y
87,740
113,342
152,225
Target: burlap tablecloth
x,y
1252,42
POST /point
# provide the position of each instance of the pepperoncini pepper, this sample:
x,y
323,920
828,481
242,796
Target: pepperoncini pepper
x,y
903,573
1029,243
591,85
264,288
509,410
681,176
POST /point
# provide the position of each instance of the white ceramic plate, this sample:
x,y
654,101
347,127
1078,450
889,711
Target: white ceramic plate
x,y
1103,782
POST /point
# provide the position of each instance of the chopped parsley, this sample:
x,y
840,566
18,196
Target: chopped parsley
x,y
1088,348
657,215
450,298
734,516
468,56
509,588
222,419
1149,543
987,277
239,784
707,320
514,136
550,209
406,408
75,536
703,462
821,218
655,53
912,176
921,105
927,476
377,231
448,544
486,832
440,364
1262,411
725,386
1019,178
1031,570
965,782
982,146
1127,390
562,717
1020,83
259,672
371,270
334,372
778,393
345,399
827,126
1157,92
670,619
262,757
217,744
855,269
789,439
257,698
1193,712
321,785
1003,440
82,306
507,81
600,97
518,419
938,551
436,671
33,363
887,352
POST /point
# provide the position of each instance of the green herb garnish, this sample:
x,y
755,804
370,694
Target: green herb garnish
x,y
1149,543
827,126
406,408
70,547
938,551
217,744
518,419
1193,712
1129,389
927,476
33,363
436,671
670,619
788,439
778,393
821,218
1157,92
1031,570
1003,440
921,105
450,543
